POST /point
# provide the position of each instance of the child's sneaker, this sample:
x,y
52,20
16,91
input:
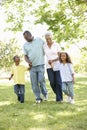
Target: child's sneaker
x,y
68,99
72,101
18,98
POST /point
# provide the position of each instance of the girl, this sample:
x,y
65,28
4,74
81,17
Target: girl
x,y
67,75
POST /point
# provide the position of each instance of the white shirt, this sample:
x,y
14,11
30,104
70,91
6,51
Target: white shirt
x,y
66,71
52,54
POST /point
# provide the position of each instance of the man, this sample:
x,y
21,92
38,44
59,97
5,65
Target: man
x,y
34,56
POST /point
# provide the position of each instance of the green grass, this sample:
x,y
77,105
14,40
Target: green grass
x,y
45,116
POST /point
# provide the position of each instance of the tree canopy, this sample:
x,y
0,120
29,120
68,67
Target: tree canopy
x,y
17,13
65,18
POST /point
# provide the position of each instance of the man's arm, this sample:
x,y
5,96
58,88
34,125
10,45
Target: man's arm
x,y
27,60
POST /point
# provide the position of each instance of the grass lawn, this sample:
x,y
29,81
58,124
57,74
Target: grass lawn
x,y
45,116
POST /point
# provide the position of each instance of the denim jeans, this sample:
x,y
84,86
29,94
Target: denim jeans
x,y
38,81
19,89
55,83
67,88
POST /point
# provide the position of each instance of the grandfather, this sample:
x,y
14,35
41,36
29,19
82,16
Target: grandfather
x,y
34,56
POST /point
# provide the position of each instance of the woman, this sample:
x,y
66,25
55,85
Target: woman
x,y
52,50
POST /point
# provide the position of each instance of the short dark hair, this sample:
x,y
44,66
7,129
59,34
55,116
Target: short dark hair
x,y
16,56
27,32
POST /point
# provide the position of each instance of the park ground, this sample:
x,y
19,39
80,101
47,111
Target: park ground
x,y
48,115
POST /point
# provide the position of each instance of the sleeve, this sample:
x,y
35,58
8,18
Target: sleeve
x,y
24,50
72,69
58,47
43,42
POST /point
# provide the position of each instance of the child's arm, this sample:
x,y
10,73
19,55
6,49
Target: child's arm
x,y
72,72
11,77
73,79
51,61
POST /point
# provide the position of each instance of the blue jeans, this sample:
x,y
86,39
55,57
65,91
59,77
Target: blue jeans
x,y
19,89
55,83
67,88
38,81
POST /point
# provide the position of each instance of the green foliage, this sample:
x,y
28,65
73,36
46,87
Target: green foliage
x,y
84,59
81,66
64,18
7,51
17,13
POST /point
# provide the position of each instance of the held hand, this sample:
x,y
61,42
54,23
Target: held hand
x,y
29,67
50,62
30,64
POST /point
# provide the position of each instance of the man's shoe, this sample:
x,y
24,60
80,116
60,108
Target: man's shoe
x,y
45,97
39,100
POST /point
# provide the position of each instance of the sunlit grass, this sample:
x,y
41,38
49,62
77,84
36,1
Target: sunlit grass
x,y
5,103
45,116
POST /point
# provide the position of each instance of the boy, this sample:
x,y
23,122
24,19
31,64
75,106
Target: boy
x,y
18,71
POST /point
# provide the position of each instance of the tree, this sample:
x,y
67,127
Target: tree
x,y
17,13
65,18
7,51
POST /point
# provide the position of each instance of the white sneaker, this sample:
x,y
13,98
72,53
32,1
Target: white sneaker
x,y
68,99
39,100
72,101
46,98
